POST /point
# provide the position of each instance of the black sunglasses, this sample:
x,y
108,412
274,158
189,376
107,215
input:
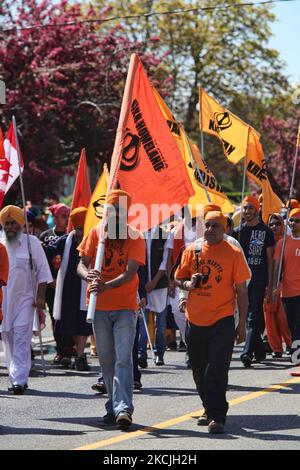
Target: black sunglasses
x,y
297,221
274,224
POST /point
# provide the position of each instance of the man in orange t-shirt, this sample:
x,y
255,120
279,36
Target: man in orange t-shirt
x,y
214,276
117,292
4,271
290,280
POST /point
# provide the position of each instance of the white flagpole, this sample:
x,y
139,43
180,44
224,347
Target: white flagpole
x,y
290,197
28,241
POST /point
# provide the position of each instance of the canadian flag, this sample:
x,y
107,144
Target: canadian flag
x,y
9,166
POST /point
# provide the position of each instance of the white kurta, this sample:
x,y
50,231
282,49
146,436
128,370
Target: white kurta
x,y
157,299
18,295
18,299
189,237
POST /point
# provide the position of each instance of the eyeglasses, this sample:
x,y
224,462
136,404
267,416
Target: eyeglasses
x,y
274,224
296,221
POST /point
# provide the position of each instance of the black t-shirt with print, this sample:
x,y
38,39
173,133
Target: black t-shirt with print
x,y
47,237
255,241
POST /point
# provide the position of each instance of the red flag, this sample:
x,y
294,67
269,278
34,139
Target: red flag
x,y
82,190
146,160
9,166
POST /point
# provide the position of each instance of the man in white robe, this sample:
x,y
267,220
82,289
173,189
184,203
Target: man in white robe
x,y
24,293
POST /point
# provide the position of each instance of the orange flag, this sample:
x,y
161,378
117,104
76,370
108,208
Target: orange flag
x,y
82,190
146,159
257,170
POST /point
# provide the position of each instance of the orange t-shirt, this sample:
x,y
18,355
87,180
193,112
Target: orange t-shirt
x,y
4,271
116,256
222,265
291,266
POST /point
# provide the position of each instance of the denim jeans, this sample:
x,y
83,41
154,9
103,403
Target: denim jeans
x,y
115,332
292,310
160,334
254,345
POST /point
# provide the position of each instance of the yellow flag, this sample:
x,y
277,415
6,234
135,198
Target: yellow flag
x,y
218,121
96,205
257,170
191,155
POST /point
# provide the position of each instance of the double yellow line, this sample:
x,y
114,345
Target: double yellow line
x,y
183,418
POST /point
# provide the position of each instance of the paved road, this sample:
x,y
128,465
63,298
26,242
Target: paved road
x,y
61,411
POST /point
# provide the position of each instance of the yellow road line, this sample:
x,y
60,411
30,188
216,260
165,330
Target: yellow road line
x,y
183,418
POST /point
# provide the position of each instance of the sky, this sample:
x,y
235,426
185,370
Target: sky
x,y
286,37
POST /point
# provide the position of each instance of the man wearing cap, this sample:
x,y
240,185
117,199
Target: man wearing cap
x,y
214,276
69,309
290,280
257,241
60,214
25,291
115,316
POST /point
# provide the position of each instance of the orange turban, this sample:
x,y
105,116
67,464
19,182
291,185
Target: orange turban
x,y
292,204
118,196
13,212
217,216
209,208
294,212
251,200
78,217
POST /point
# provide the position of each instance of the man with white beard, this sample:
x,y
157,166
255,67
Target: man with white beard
x,y
21,296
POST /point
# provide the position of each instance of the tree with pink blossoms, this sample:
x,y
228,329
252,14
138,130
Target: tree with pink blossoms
x,y
65,80
281,135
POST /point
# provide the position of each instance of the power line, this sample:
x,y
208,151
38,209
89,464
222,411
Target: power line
x,y
147,15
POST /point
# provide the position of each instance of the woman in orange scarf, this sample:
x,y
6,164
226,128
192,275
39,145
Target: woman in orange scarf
x,y
275,318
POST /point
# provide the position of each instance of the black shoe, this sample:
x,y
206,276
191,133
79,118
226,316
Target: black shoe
x,y
203,420
246,360
142,362
65,362
260,357
276,354
18,389
100,387
123,420
216,427
172,346
182,347
137,385
159,361
81,363
108,420
288,351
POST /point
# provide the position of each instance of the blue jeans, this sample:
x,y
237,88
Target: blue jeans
x,y
160,334
292,310
254,345
115,332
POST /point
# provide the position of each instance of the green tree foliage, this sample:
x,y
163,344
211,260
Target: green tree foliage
x,y
225,50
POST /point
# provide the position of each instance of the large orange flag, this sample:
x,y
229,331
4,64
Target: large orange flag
x,y
146,160
82,190
218,121
257,170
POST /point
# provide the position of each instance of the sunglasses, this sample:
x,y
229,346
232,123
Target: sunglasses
x,y
296,221
274,224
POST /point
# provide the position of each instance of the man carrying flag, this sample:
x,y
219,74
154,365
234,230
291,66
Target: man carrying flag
x,y
117,291
147,165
